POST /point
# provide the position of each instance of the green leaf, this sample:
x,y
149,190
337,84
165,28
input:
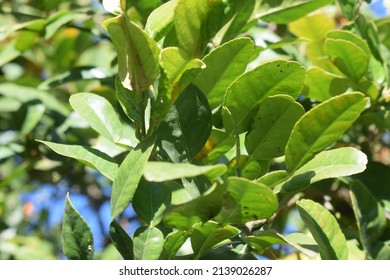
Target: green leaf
x,y
271,179
98,113
218,144
223,65
87,155
127,179
165,171
349,57
121,241
35,112
187,126
272,78
56,21
9,52
350,37
128,100
288,10
272,126
137,53
150,202
321,85
370,215
26,40
299,241
327,164
148,243
349,8
160,21
321,127
246,201
195,22
325,230
77,236
210,235
201,209
173,243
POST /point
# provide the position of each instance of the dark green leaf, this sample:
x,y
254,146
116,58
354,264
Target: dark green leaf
x,y
187,126
272,126
349,8
272,78
321,127
128,100
77,236
325,230
148,243
121,241
151,201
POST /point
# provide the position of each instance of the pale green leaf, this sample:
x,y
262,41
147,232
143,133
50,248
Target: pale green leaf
x,y
321,127
77,236
127,179
160,20
89,156
327,164
35,112
272,78
98,113
325,230
148,243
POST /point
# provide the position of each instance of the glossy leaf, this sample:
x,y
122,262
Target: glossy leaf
x,y
209,235
272,126
150,202
327,164
137,53
288,10
195,22
122,242
201,209
87,155
246,201
77,236
272,78
148,243
223,65
173,243
327,122
321,85
370,215
127,179
299,241
165,171
160,21
325,230
98,113
187,126
348,57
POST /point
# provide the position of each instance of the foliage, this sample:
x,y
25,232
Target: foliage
x,y
193,127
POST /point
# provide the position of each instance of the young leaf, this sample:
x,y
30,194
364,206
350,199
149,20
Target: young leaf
x,y
322,126
370,215
223,65
137,53
121,241
148,243
288,10
209,235
321,85
272,126
165,171
246,201
87,155
77,236
150,202
272,78
187,126
299,241
327,164
127,178
98,113
173,243
325,230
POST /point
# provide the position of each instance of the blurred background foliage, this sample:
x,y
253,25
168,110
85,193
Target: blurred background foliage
x,y
50,50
